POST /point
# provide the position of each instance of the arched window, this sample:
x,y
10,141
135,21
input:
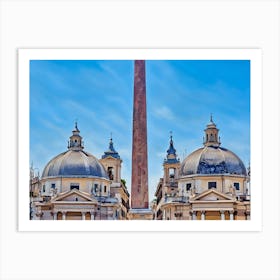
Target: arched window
x,y
110,172
188,186
171,172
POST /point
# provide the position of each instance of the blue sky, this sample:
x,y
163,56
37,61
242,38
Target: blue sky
x,y
181,95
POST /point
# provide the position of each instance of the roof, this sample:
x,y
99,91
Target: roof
x,y
111,151
212,160
171,153
74,163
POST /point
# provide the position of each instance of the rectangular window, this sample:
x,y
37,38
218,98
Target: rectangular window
x,y
188,186
74,186
236,186
212,185
53,186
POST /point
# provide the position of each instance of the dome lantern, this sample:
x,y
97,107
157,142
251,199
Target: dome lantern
x,y
75,142
211,135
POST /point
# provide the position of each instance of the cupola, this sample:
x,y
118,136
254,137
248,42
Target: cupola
x,y
211,134
75,142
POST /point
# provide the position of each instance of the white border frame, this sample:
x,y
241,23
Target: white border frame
x,y
254,55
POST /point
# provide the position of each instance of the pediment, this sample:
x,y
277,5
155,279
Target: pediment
x,y
212,195
73,195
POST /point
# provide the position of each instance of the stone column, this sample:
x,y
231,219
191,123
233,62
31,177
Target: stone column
x,y
194,215
222,214
83,215
231,217
202,215
92,215
247,213
55,215
63,215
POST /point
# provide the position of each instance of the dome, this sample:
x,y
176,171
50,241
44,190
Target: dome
x,y
212,160
74,163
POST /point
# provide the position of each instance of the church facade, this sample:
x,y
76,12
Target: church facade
x,y
211,183
75,185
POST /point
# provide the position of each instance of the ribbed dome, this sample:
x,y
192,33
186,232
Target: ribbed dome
x,y
74,163
212,160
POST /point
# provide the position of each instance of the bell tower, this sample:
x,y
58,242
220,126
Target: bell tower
x,y
171,167
112,163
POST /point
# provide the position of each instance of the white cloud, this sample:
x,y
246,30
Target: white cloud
x,y
163,112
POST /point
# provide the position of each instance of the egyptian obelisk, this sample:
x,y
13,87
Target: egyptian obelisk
x,y
139,180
